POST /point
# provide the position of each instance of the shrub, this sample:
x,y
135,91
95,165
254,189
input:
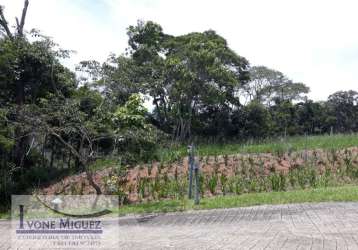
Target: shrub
x,y
212,183
275,182
292,178
223,181
238,186
282,182
301,178
278,182
312,176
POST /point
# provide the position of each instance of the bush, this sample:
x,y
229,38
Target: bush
x,y
212,183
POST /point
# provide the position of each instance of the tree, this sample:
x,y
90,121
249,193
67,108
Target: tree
x,y
62,121
313,117
261,78
344,106
4,26
215,122
270,86
186,75
136,137
30,76
116,79
284,117
257,121
29,71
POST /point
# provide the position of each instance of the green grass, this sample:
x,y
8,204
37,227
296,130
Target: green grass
x,y
4,215
343,193
176,151
100,164
295,143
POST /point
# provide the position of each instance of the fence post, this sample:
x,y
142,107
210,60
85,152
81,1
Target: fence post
x,y
196,169
191,167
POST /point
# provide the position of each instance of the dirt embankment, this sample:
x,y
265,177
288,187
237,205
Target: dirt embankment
x,y
130,181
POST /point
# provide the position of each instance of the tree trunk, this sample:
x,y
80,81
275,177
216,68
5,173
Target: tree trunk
x,y
52,154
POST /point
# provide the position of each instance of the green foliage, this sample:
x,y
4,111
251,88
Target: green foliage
x,y
223,183
276,146
257,120
238,186
344,107
331,194
6,143
302,178
275,182
312,178
54,121
132,114
138,138
197,72
212,183
269,85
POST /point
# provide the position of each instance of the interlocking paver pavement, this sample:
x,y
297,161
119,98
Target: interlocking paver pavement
x,y
293,226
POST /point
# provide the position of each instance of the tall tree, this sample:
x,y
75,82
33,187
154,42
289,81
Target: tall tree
x,y
116,79
28,71
185,75
344,106
269,86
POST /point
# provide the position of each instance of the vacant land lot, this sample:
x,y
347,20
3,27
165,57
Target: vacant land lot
x,y
236,171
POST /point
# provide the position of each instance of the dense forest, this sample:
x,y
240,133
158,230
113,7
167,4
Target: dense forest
x,y
54,120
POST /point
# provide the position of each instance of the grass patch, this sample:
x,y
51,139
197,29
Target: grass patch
x,y
343,193
101,164
5,215
295,143
329,194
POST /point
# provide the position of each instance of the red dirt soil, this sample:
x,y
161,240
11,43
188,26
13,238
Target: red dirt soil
x,y
221,165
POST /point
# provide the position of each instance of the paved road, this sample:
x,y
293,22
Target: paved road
x,y
294,226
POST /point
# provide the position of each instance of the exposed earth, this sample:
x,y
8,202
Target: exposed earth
x,y
228,165
294,226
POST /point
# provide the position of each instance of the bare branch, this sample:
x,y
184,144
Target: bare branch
x,y
20,27
83,162
17,22
31,145
4,23
69,146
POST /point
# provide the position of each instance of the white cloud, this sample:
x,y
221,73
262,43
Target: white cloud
x,y
314,42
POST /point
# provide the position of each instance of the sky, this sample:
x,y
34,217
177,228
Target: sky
x,y
311,41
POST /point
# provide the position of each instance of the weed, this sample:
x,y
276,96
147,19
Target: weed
x,y
223,181
292,178
312,178
301,178
253,186
141,187
212,183
278,182
275,182
231,185
325,178
282,182
238,186
226,159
